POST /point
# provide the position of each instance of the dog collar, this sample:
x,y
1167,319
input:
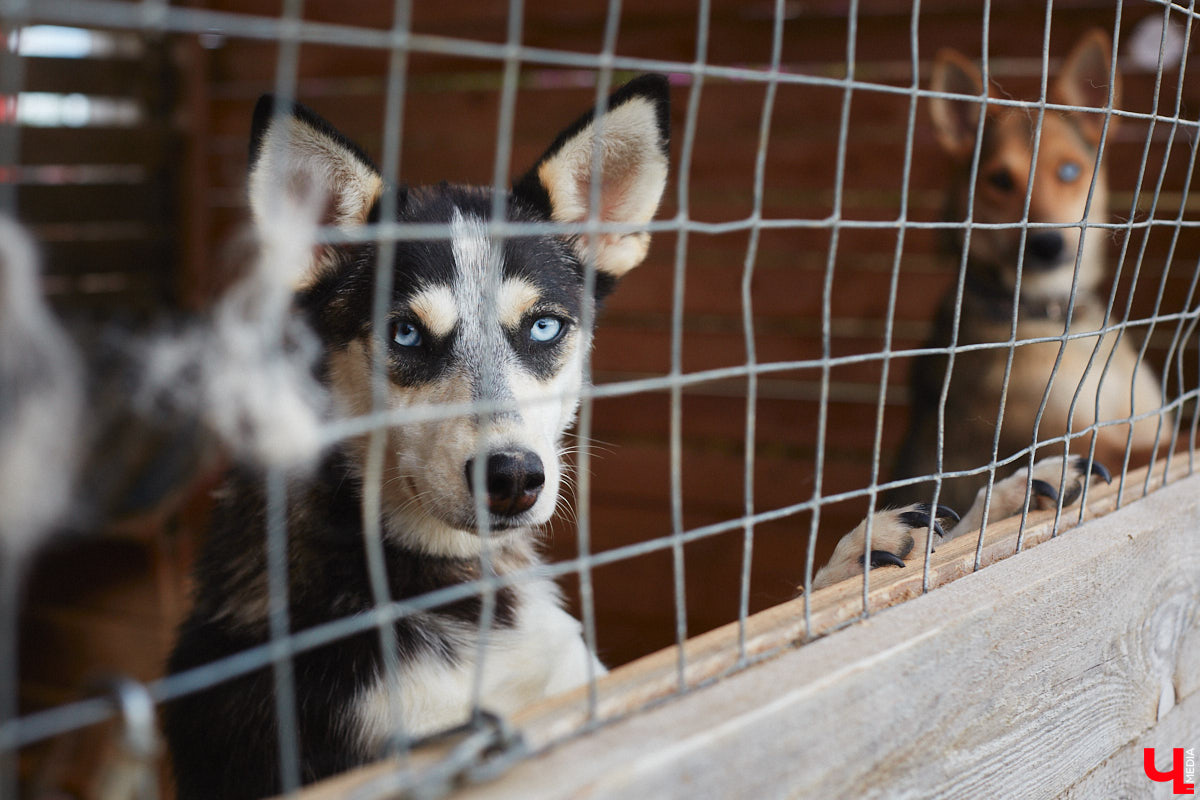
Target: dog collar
x,y
996,303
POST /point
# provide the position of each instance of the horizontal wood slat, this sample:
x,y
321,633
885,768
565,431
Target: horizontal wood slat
x,y
91,203
92,76
1122,774
148,144
140,257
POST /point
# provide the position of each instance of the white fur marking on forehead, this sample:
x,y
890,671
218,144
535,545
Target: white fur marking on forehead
x,y
436,309
516,297
472,248
478,265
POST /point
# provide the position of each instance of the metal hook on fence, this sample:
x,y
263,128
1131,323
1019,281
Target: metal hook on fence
x,y
129,774
478,751
127,770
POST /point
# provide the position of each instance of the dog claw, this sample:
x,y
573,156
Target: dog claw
x,y
1043,489
921,519
1099,470
882,558
943,512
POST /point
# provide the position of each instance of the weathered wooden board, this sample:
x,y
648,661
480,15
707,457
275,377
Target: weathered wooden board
x,y
1032,678
1122,777
1013,682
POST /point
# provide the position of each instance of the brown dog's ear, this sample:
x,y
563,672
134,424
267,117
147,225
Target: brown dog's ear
x,y
634,133
304,173
1084,82
955,122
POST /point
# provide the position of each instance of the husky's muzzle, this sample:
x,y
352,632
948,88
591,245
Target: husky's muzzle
x,y
514,479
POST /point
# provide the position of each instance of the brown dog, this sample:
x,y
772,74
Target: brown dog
x,y
1045,260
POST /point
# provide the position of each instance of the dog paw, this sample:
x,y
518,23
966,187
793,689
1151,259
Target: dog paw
x,y
897,535
1008,495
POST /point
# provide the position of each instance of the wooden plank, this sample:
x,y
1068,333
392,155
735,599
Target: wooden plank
x,y
1122,774
64,647
93,76
142,145
712,478
139,258
101,574
1077,641
632,598
87,203
196,280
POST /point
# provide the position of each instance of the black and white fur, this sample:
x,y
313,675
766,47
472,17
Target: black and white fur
x,y
471,319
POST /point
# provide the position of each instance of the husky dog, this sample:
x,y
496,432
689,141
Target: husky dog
x,y
1062,179
471,318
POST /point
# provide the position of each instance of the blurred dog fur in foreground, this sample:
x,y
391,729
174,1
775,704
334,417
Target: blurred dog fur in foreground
x,y
101,421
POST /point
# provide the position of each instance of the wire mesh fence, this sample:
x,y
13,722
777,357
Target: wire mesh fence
x,y
756,375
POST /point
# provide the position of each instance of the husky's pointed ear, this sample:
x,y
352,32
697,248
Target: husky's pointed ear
x,y
634,135
1084,82
304,172
956,122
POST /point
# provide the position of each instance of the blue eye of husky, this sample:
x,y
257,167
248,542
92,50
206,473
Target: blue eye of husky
x,y
545,329
1068,171
406,334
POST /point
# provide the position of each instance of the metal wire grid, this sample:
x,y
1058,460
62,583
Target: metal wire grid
x,y
292,32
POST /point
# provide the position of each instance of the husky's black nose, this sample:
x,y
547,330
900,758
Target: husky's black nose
x,y
1043,249
514,480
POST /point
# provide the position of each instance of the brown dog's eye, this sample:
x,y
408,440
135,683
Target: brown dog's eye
x,y
1068,171
1001,179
